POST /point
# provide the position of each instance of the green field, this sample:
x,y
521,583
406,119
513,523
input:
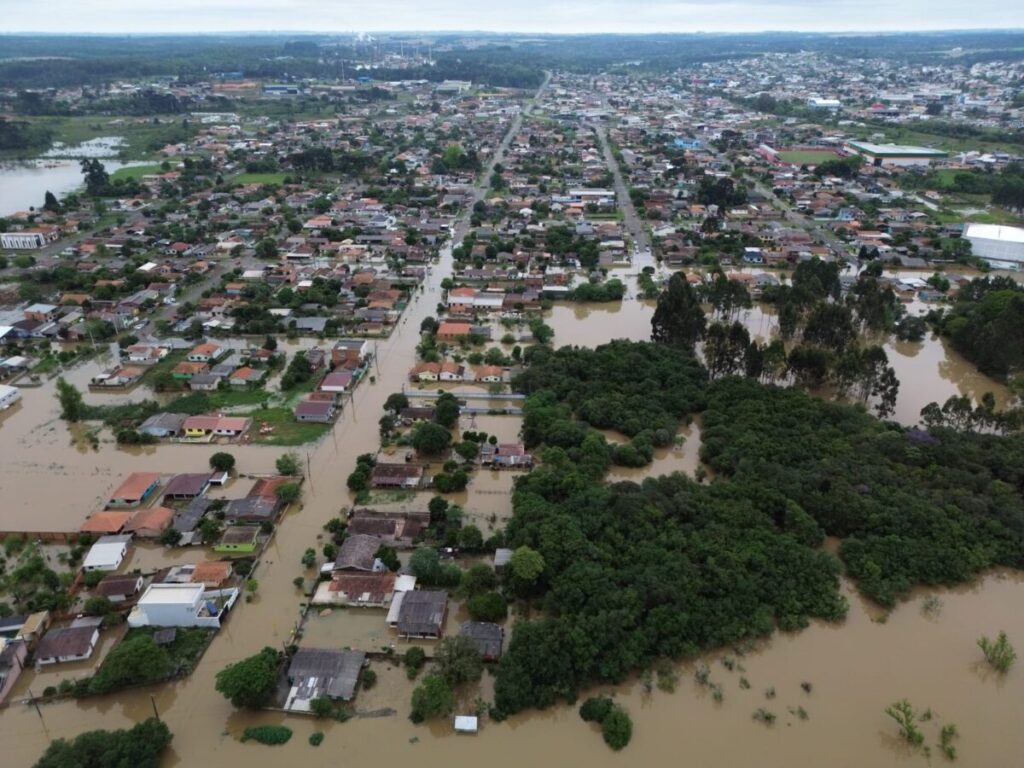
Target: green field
x,y
135,172
287,431
260,178
807,156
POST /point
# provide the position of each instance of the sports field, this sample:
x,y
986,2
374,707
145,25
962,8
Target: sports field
x,y
806,156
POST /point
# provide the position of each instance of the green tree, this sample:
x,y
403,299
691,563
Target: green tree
x,y
222,461
478,579
72,406
432,698
617,728
458,661
470,539
425,564
525,567
140,747
431,439
251,682
396,402
446,410
288,493
135,661
489,606
288,463
678,318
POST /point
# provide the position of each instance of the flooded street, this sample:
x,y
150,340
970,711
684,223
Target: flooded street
x,y
856,669
53,479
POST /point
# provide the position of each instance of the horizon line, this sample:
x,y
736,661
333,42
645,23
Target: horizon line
x,y
662,33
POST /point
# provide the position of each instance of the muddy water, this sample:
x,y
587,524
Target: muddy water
x,y
929,371
856,669
51,479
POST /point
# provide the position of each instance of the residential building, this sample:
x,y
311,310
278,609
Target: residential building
x,y
182,605
315,673
422,614
136,488
107,553
74,643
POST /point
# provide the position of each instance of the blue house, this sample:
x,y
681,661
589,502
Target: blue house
x,y
683,143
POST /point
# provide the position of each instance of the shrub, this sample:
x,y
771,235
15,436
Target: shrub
x,y
998,653
415,658
321,707
272,735
490,606
617,728
596,709
369,679
316,738
222,462
432,698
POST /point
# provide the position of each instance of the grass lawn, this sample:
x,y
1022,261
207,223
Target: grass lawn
x,y
388,497
164,365
227,398
135,172
260,178
287,431
807,156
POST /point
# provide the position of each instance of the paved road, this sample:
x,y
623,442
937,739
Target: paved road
x,y
823,234
461,228
643,255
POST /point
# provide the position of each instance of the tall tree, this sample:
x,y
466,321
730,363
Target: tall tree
x,y
679,318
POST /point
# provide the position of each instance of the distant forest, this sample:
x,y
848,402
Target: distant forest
x,y
42,61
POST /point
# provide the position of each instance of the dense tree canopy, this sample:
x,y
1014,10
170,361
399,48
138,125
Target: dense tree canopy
x,y
140,747
986,324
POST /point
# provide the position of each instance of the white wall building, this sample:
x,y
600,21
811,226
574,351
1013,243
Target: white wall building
x,y
106,554
27,239
182,605
8,396
1000,246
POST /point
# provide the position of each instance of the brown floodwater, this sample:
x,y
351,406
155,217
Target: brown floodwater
x,y
52,478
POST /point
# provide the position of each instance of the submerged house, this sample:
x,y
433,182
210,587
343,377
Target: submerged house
x,y
422,614
315,673
182,605
74,643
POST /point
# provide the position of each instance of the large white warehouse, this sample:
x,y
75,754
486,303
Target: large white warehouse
x,y
1000,246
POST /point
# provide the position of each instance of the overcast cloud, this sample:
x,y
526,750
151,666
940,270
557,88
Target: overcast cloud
x,y
153,16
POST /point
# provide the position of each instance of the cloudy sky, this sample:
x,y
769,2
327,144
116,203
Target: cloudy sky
x,y
149,16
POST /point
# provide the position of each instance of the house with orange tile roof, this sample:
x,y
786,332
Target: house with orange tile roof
x,y
213,575
136,488
150,523
105,522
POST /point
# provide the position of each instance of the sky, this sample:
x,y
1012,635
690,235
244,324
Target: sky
x,y
554,16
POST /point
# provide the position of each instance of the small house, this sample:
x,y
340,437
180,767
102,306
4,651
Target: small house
x,y
238,539
422,614
107,553
74,643
118,589
487,637
396,476
163,425
138,487
315,673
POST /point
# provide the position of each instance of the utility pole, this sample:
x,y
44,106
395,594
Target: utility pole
x,y
32,698
309,472
156,713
